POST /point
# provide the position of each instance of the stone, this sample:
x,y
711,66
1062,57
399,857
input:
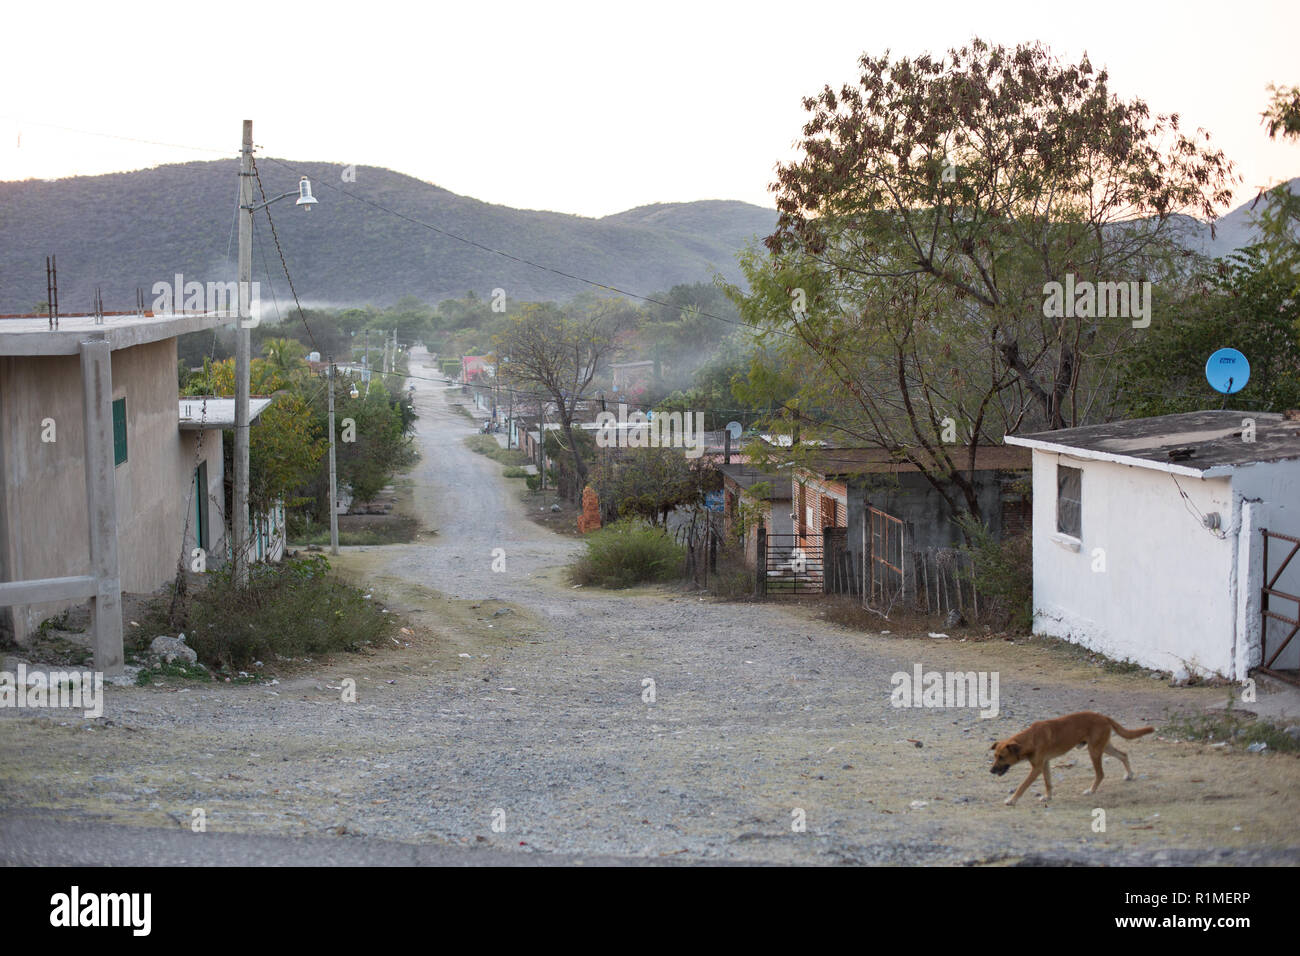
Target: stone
x,y
168,649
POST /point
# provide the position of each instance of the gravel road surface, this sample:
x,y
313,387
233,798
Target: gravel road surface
x,y
516,723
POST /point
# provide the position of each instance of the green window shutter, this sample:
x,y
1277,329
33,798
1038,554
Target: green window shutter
x,y
201,494
119,431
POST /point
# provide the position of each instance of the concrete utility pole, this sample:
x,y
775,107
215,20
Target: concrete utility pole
x,y
334,481
243,348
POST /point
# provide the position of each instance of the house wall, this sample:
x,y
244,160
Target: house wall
x,y
927,518
1166,598
44,486
1265,496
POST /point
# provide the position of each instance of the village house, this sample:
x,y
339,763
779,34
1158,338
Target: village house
x,y
103,393
1165,541
754,499
872,504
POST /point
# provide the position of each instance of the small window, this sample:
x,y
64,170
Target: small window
x,y
119,431
1069,501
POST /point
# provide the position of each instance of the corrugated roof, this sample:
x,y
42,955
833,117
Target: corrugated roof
x,y
863,461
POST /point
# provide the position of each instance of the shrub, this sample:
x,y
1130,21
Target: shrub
x,y
291,609
627,553
1003,575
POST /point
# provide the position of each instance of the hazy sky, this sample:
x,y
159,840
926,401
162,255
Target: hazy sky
x,y
586,108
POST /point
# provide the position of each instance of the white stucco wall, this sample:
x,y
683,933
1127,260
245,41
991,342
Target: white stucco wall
x,y
1166,598
1269,497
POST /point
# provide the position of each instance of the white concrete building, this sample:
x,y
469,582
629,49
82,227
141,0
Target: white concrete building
x,y
1149,545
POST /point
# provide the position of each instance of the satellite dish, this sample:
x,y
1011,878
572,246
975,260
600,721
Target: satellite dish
x,y
734,428
1227,371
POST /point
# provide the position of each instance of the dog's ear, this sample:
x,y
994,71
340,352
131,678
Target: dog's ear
x,y
993,746
1013,750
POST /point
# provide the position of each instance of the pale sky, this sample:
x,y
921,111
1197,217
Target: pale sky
x,y
586,108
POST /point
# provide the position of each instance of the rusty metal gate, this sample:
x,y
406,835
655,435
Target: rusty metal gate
x,y
788,566
884,560
1269,590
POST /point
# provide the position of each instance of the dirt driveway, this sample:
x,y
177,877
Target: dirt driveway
x,y
518,717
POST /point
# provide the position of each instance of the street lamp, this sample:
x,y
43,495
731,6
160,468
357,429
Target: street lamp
x,y
243,348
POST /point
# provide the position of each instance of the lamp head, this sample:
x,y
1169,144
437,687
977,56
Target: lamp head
x,y
354,393
305,198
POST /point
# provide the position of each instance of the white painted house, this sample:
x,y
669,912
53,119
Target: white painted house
x,y
1148,542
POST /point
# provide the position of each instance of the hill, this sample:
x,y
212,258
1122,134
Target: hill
x,y
127,230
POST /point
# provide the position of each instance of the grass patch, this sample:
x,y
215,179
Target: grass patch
x,y
394,529
1085,656
194,672
292,609
487,445
1238,727
462,410
515,471
628,553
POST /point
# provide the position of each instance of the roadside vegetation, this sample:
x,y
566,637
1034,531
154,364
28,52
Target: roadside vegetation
x,y
1236,727
628,553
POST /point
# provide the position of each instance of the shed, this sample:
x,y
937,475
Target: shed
x,y
1150,538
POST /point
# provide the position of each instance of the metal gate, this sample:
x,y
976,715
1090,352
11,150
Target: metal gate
x,y
1267,591
789,566
884,560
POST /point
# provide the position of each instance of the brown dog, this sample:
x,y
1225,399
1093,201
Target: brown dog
x,y
1045,740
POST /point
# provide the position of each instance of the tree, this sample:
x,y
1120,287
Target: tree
x,y
557,352
1282,116
1245,300
907,284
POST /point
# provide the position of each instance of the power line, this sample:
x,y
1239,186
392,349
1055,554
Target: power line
x,y
529,262
267,208
129,139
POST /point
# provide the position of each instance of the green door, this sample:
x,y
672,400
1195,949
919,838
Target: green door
x,y
201,504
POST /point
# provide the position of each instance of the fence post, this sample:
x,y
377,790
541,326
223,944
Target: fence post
x,y
828,572
760,564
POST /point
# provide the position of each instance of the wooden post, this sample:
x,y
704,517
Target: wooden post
x,y
101,504
760,564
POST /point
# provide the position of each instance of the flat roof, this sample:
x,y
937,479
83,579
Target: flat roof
x,y
886,461
33,336
1204,444
747,476
198,412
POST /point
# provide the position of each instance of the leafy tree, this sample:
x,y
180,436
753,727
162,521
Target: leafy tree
x,y
934,202
557,352
1245,301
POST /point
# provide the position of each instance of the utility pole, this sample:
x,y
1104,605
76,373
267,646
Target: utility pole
x,y
334,481
243,348
365,361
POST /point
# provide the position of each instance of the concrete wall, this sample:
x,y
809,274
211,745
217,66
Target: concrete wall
x,y
927,518
44,491
1166,597
1265,496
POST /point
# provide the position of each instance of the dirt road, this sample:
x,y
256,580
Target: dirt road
x,y
518,718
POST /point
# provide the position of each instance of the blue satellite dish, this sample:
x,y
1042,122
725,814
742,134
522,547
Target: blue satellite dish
x,y
1227,371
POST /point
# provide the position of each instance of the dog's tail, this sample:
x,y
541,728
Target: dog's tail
x,y
1128,734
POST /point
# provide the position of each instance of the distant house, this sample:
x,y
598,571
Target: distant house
x,y
473,367
753,499
1149,540
631,380
888,515
104,395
